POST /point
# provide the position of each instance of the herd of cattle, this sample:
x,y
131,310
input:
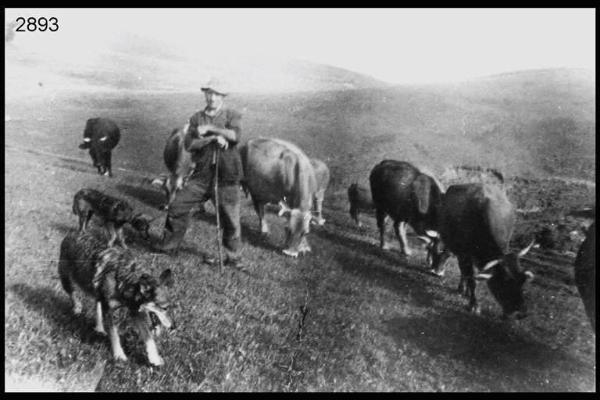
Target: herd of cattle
x,y
474,221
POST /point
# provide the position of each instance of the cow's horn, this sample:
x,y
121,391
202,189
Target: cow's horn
x,y
432,234
490,265
529,276
483,277
526,249
102,139
87,139
282,208
426,239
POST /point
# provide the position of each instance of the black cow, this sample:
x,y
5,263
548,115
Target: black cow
x,y
407,195
585,273
100,136
476,222
360,199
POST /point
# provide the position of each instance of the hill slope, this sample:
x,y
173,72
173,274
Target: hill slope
x,y
530,123
135,63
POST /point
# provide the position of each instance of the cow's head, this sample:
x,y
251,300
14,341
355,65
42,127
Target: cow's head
x,y
437,253
298,227
505,279
170,185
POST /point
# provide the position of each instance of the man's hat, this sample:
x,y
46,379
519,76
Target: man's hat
x,y
215,85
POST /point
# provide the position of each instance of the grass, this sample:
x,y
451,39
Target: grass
x,y
376,321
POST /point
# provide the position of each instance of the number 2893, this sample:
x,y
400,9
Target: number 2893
x,y
33,24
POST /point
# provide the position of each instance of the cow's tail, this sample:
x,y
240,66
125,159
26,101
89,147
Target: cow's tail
x,y
307,184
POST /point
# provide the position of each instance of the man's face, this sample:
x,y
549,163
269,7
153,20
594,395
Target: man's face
x,y
213,100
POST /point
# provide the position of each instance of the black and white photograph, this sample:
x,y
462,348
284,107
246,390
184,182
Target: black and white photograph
x,y
300,200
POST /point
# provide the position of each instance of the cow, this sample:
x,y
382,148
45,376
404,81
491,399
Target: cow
x,y
277,171
100,136
408,196
322,177
360,199
476,222
179,163
585,273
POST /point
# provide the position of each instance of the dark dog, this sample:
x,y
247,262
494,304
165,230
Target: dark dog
x,y
114,212
110,275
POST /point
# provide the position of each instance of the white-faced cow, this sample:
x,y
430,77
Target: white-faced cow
x,y
100,136
277,171
179,164
476,222
322,177
407,195
585,273
360,199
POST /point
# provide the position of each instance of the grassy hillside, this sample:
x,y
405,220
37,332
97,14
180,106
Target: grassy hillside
x,y
134,63
377,321
532,124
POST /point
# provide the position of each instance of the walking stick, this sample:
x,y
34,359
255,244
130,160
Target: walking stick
x,y
216,161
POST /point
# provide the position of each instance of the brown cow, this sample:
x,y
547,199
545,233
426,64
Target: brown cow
x,y
408,196
179,163
360,199
475,223
276,170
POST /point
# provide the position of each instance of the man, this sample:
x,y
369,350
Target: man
x,y
216,130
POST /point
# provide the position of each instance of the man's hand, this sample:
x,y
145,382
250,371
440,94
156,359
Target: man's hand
x,y
222,142
203,129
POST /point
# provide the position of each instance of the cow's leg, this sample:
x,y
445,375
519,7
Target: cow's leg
x,y
400,230
465,263
172,189
462,288
304,247
380,215
95,160
260,210
108,164
167,203
319,207
354,215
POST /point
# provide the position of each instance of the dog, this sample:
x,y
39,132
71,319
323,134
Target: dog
x,y
110,275
114,212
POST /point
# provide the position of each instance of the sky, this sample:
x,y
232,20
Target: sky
x,y
393,45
